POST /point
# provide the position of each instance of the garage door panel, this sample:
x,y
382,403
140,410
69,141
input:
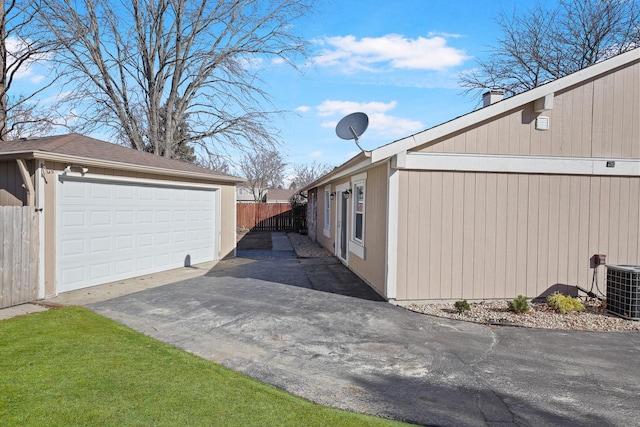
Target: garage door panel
x,y
100,217
72,247
107,232
100,271
124,192
74,218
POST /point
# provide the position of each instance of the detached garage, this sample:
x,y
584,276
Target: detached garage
x,y
109,213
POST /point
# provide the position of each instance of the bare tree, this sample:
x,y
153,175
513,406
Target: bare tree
x,y
263,170
21,45
304,174
26,119
540,45
214,162
198,61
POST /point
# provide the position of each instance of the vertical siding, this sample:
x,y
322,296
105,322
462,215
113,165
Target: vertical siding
x,y
373,268
327,242
597,118
12,193
227,220
312,212
403,237
492,235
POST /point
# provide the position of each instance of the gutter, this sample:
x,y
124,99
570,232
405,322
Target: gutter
x,y
86,161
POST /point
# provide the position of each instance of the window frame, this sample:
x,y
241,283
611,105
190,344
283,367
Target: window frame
x,y
355,212
357,245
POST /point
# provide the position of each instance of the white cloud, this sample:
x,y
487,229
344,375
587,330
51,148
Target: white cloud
x,y
303,108
381,124
37,78
332,107
315,154
443,34
16,48
349,54
387,126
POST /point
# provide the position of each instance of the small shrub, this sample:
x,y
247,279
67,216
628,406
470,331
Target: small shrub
x,y
462,306
519,305
564,303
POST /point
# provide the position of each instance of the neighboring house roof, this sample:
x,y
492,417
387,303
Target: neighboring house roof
x,y
492,111
76,148
244,193
277,194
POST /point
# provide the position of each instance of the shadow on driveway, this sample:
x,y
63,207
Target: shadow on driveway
x,y
262,315
325,274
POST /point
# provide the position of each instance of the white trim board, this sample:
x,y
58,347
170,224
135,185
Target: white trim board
x,y
517,164
77,176
393,207
356,248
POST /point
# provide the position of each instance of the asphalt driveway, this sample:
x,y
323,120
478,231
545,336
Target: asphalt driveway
x,y
310,327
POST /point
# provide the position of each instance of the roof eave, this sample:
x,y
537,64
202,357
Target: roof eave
x,y
357,162
86,161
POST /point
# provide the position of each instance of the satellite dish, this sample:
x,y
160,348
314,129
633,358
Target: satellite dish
x,y
352,127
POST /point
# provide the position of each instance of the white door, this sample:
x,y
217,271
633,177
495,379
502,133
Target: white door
x,y
342,226
108,231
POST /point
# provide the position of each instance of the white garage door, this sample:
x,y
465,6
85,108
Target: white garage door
x,y
109,231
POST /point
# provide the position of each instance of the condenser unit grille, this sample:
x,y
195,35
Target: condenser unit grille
x,y
623,291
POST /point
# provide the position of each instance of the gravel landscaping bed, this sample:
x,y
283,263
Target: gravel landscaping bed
x,y
593,318
307,248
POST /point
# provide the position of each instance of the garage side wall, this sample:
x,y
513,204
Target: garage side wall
x,y
12,192
227,237
227,221
471,235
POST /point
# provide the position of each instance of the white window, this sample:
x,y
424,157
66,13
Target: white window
x,y
327,211
358,211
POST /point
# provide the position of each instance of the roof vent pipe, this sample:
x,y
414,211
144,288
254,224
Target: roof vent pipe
x,y
492,96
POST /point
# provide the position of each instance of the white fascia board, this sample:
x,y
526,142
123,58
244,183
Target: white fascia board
x,y
90,177
503,106
108,164
517,164
366,163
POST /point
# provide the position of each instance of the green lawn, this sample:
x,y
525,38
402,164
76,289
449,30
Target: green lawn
x,y
70,366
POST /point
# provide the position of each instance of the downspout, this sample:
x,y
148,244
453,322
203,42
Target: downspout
x,y
28,185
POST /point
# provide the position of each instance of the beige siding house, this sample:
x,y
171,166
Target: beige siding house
x,y
514,198
108,212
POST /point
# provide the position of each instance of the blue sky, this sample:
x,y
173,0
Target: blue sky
x,y
396,61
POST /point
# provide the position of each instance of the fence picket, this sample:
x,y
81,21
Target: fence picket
x,y
18,255
270,216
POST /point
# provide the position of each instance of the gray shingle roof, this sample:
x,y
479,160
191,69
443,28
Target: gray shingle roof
x,y
83,147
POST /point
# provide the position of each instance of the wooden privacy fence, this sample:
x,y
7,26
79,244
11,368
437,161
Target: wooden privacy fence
x,y
18,255
270,216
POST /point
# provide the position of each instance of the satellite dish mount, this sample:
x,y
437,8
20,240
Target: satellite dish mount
x,y
352,127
